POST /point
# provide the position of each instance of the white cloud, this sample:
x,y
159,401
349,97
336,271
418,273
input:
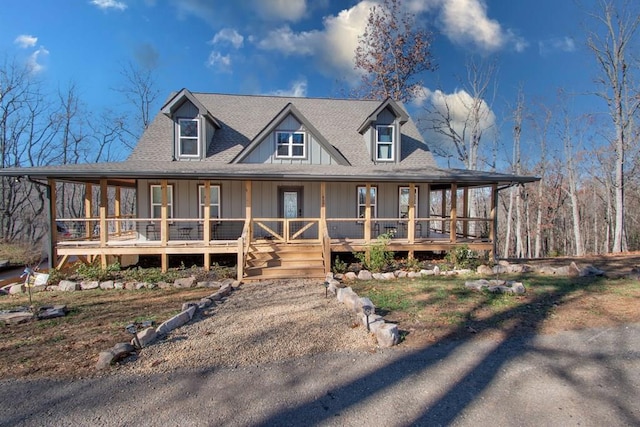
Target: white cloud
x,y
26,40
333,46
33,61
109,4
298,89
229,35
559,44
218,61
467,22
287,10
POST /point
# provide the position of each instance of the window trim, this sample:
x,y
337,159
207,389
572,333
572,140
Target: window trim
x,y
374,205
196,138
391,144
290,144
417,191
169,200
201,200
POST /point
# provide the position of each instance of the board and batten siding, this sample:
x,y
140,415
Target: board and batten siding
x,y
265,152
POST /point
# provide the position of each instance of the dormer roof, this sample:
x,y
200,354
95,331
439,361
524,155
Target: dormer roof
x,y
391,105
178,99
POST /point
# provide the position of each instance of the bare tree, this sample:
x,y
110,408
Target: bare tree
x,y
392,53
609,41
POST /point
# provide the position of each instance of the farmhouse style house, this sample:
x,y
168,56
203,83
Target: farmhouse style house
x,y
282,183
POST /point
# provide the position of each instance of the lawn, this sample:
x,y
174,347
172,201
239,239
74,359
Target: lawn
x,y
436,308
68,346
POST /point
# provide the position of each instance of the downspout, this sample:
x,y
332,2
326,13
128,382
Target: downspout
x,y
50,249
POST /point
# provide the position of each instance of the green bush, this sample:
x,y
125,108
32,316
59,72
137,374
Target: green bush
x,y
462,257
96,272
339,266
380,258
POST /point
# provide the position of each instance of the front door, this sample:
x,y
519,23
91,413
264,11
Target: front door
x,y
291,206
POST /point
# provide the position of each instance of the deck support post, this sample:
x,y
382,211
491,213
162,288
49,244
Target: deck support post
x,y
443,211
494,221
367,220
411,226
117,211
454,213
206,226
103,221
465,211
164,225
53,253
88,210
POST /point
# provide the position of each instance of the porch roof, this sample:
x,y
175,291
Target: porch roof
x,y
125,173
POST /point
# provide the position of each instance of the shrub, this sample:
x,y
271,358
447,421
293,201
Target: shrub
x,y
380,258
339,266
462,257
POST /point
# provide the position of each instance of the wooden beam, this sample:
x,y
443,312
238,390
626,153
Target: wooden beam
x,y
493,225
367,213
103,221
118,211
164,225
454,213
248,214
88,209
52,222
443,209
411,226
323,209
206,226
465,211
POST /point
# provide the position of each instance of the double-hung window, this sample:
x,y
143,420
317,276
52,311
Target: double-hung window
x,y
290,145
214,201
156,201
362,201
403,201
385,139
188,131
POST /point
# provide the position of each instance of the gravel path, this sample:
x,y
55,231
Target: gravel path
x,y
259,323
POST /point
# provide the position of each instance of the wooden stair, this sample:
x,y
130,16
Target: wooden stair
x,y
274,260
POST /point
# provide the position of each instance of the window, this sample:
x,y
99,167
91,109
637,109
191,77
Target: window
x,y
362,201
214,201
188,145
403,201
290,145
384,143
156,201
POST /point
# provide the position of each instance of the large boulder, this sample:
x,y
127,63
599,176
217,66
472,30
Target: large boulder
x,y
387,335
185,282
68,286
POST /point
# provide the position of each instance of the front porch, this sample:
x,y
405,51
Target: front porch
x,y
113,235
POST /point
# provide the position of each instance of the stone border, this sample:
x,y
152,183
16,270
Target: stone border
x,y
149,335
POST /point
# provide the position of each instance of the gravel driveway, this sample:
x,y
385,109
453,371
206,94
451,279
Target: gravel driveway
x,y
280,354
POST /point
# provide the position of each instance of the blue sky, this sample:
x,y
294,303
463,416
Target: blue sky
x,y
290,47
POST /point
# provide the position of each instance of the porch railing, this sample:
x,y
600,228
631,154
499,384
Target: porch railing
x,y
286,229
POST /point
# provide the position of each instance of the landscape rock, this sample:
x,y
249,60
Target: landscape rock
x,y
130,286
363,302
118,285
174,322
188,305
401,274
164,285
350,275
377,276
122,350
375,322
388,276
16,289
227,282
108,284
484,270
351,301
146,337
185,282
105,359
68,285
52,311
16,317
589,271
364,275
338,276
328,277
89,285
499,269
436,270
424,272
342,292
142,285
414,275
387,335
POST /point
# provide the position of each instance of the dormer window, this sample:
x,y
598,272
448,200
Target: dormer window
x,y
290,145
385,142
188,131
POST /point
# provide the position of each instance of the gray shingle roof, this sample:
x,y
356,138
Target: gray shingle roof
x,y
242,117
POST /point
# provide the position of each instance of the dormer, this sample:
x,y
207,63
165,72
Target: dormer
x,y
382,131
193,126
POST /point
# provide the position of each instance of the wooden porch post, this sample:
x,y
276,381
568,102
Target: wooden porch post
x,y
248,214
411,227
444,209
428,207
52,225
164,225
103,221
465,211
367,213
323,207
118,211
88,210
493,225
206,226
454,212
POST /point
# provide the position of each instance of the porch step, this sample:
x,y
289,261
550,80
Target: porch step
x,y
282,261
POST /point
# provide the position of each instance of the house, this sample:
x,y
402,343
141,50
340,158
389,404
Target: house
x,y
282,183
